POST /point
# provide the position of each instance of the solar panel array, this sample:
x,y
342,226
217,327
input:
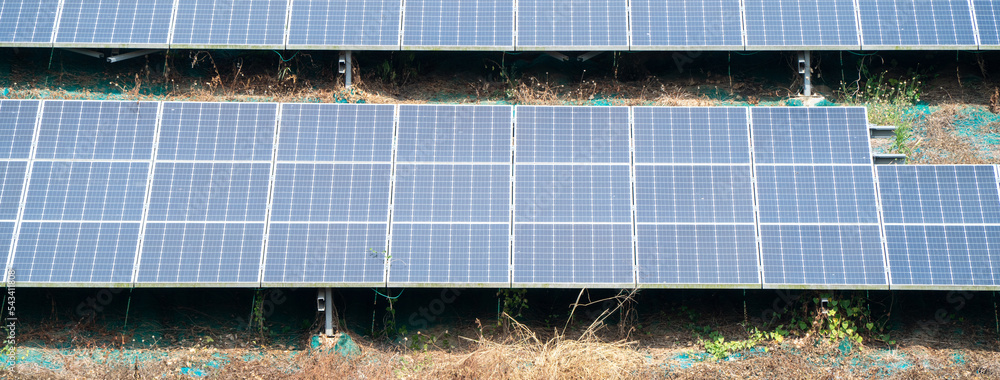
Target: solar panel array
x,y
119,193
584,25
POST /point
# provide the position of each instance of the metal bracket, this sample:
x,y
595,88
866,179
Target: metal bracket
x,y
324,304
588,56
888,159
344,67
882,131
805,68
558,55
87,52
130,55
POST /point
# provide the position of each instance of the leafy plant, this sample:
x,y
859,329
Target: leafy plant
x,y
513,301
837,319
257,323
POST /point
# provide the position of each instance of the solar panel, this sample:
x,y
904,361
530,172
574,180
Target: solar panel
x,y
348,25
217,131
201,253
86,191
822,255
888,24
691,135
452,193
683,24
693,194
572,134
331,193
228,24
799,135
572,25
987,23
816,194
97,130
114,23
693,255
68,253
206,191
476,24
320,253
12,177
436,254
808,24
336,132
939,256
18,119
572,193
440,133
27,22
6,238
938,194
575,255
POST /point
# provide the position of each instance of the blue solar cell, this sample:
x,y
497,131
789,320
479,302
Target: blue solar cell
x,y
816,194
336,132
325,253
797,135
201,253
572,23
371,23
943,255
228,22
573,254
87,191
217,131
916,23
452,193
822,255
686,23
449,253
18,119
209,192
53,252
573,193
693,194
432,133
331,193
988,22
938,194
27,21
133,22
695,135
572,134
809,23
85,130
697,254
12,177
6,237
459,23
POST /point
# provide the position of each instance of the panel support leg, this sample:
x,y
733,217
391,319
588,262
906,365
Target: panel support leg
x,y
345,67
805,68
324,304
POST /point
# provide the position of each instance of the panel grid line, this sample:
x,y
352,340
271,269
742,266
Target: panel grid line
x,y
24,190
513,189
756,199
387,263
148,197
975,24
57,22
632,192
270,193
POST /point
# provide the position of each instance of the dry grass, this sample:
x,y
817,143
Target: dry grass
x,y
937,143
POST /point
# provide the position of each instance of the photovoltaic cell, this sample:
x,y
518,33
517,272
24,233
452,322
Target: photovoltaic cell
x,y
114,22
816,194
583,24
27,22
988,22
916,23
201,253
325,253
822,255
433,133
798,135
336,132
6,237
18,119
939,194
572,193
686,23
217,131
76,253
459,23
452,193
697,254
449,253
231,192
693,194
331,193
691,135
86,191
225,23
573,254
12,175
943,255
332,24
572,134
91,130
801,23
